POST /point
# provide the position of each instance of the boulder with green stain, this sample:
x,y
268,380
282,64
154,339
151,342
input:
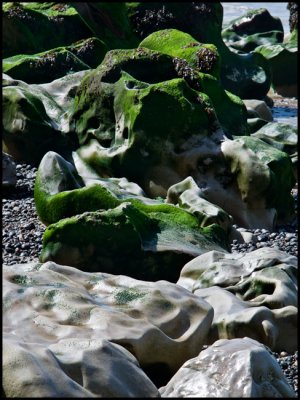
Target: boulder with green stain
x,y
283,60
55,63
67,188
30,28
247,76
143,124
199,64
43,67
254,28
281,177
283,137
149,242
203,57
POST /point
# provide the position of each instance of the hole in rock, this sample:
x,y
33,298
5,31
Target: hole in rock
x,y
159,374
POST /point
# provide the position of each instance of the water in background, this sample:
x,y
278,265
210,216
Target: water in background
x,y
235,10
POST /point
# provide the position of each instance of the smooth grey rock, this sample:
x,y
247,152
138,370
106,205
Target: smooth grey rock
x,y
224,270
235,318
259,107
158,322
72,367
230,368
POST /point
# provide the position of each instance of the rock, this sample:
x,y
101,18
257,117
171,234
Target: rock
x,y
204,60
260,107
35,116
85,325
281,174
72,367
230,368
43,67
56,63
30,28
235,318
283,137
246,77
187,195
9,175
147,242
293,20
253,29
225,270
255,123
283,63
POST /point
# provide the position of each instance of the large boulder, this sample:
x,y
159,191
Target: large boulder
x,y
230,368
147,242
81,328
247,76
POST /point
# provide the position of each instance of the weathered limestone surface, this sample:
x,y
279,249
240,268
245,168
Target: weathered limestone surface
x,y
66,315
230,368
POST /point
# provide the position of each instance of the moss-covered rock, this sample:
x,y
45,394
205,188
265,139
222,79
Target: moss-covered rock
x,y
256,27
55,63
150,242
43,67
203,57
246,76
30,28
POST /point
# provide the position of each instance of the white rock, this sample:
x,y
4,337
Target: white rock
x,y
230,368
49,306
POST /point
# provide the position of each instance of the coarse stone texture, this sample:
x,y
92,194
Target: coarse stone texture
x,y
9,178
60,309
230,368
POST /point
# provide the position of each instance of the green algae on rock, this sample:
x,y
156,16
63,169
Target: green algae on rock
x,y
33,27
149,242
55,63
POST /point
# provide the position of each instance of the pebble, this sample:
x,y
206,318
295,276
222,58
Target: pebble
x,y
23,232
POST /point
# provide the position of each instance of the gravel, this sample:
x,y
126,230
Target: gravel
x,y
22,234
